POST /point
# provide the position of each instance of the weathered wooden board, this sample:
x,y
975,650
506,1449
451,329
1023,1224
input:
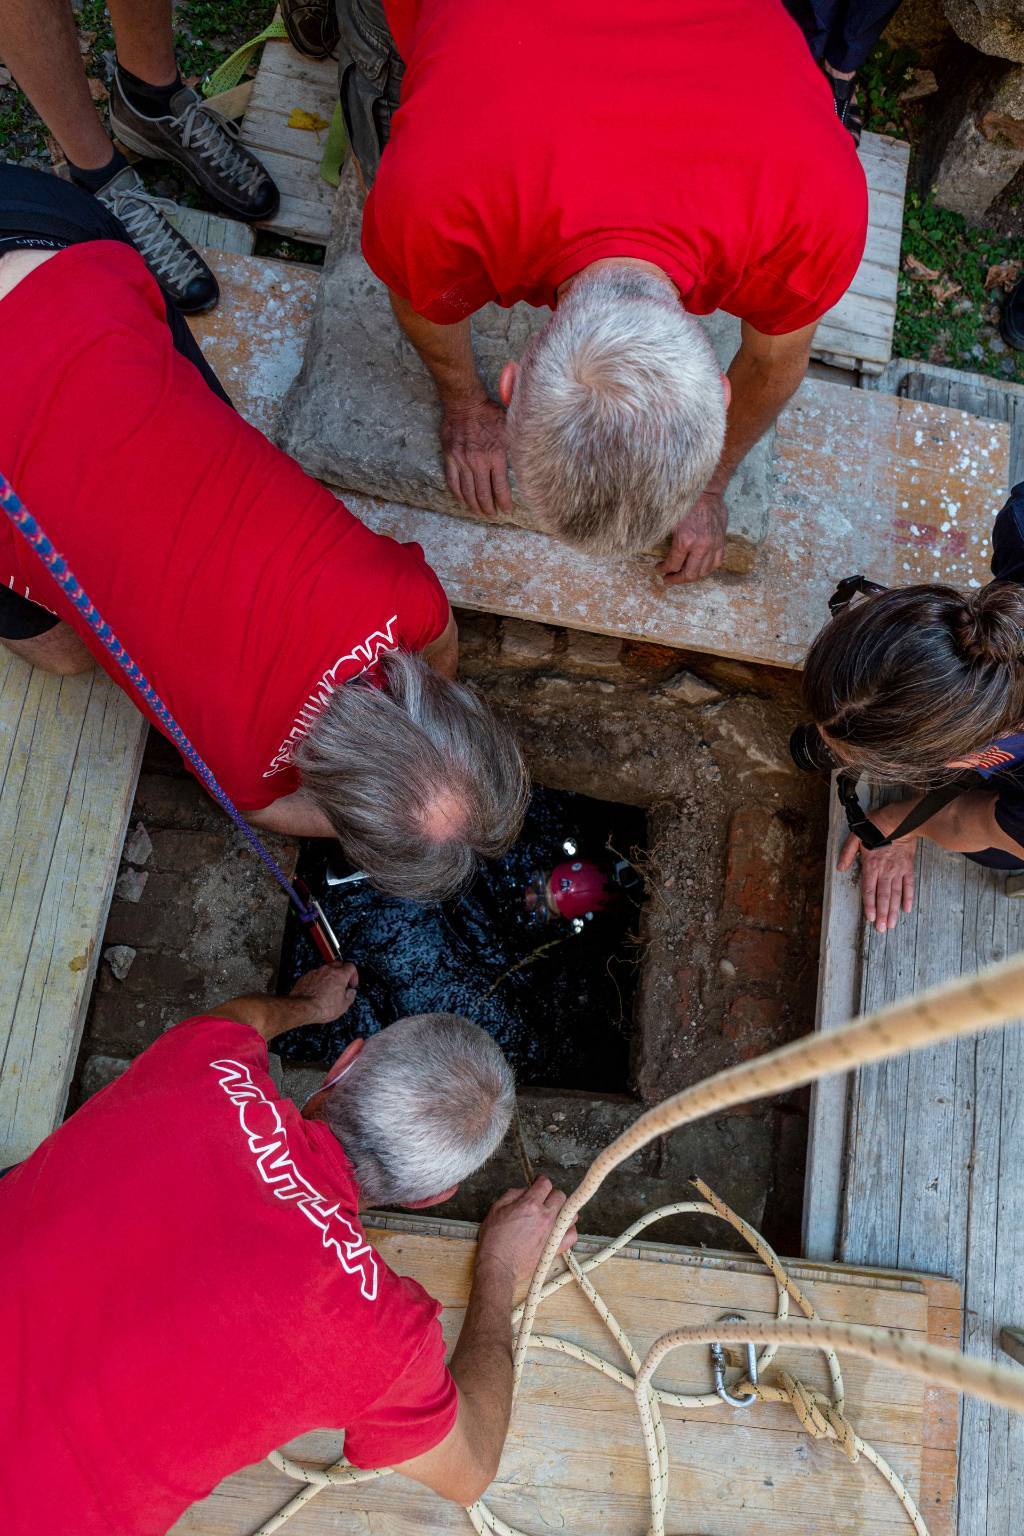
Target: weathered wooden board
x,y
574,1456
993,399
70,750
254,339
202,228
857,333
285,80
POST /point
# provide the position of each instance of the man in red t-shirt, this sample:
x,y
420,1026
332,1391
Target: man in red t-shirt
x,y
615,163
185,1284
245,591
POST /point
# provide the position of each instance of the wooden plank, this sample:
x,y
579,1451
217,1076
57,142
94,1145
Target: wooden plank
x,y
838,1000
213,229
574,1454
70,750
285,80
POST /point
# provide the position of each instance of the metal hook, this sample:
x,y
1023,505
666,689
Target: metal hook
x,y
718,1367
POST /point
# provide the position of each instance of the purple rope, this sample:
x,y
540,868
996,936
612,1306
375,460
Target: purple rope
x,y
65,578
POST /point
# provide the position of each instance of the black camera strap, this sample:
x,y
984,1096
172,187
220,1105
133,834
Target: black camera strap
x,y
873,837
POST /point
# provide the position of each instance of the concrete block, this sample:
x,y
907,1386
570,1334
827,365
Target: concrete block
x,y
592,653
363,412
524,644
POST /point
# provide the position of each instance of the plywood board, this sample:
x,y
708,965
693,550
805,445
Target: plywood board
x,y
574,1457
70,750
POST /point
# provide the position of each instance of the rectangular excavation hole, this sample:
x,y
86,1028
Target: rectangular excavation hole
x,y
556,994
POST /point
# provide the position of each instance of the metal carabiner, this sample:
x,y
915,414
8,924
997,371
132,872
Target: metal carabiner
x,y
320,930
718,1367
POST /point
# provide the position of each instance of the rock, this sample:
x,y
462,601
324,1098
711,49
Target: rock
x,y
591,653
130,884
100,1071
525,643
685,688
992,26
363,412
139,846
979,147
997,344
120,958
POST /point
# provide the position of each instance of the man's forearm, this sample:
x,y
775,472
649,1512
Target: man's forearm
x,y
760,389
446,352
482,1362
268,1016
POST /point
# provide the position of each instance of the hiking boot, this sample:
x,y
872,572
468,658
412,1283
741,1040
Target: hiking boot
x,y
204,144
178,268
312,27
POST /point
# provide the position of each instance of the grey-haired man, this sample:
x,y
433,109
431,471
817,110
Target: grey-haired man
x,y
186,1284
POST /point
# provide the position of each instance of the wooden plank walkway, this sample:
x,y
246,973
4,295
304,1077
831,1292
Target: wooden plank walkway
x,y
856,334
70,750
900,489
916,1162
574,1454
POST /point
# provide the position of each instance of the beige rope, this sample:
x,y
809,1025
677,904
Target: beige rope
x,y
993,997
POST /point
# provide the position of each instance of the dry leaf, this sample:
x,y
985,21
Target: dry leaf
x,y
97,90
922,83
86,40
919,270
944,290
999,125
310,121
1003,275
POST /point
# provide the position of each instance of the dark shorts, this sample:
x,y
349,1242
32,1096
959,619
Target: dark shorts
x,y
369,80
47,212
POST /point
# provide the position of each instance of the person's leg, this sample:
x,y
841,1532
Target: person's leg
x,y
144,34
57,650
39,45
857,28
370,74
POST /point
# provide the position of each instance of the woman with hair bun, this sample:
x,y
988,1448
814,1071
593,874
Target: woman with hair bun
x,y
920,686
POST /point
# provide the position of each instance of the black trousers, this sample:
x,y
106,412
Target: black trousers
x,y
36,205
842,32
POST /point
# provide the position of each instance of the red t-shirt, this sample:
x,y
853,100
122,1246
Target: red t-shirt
x,y
535,138
245,590
184,1286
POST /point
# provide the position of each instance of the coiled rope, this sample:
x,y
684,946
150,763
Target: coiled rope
x,y
988,1000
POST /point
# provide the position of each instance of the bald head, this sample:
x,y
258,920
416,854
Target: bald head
x,y
418,779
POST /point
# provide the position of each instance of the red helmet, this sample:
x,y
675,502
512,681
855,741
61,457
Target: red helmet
x,y
578,887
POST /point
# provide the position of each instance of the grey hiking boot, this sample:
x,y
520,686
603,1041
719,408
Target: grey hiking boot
x,y
204,144
177,266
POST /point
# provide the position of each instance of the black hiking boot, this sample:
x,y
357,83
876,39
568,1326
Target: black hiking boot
x,y
177,266
196,137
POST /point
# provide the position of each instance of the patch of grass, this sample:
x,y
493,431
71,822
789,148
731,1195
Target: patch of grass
x,y
961,331
879,84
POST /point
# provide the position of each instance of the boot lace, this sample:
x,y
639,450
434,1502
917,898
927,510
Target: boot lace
x,y
144,216
212,136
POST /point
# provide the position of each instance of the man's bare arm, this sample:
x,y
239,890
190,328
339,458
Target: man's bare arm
x,y
443,653
319,997
473,439
511,1241
294,815
764,374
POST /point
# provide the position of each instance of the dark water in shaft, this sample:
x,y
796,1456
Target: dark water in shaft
x,y
562,1018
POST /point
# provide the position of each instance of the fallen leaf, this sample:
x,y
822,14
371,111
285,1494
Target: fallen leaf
x,y
1003,275
310,121
97,90
919,270
944,290
86,40
57,157
922,82
999,125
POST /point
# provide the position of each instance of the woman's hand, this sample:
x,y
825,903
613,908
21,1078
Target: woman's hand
x,y
886,874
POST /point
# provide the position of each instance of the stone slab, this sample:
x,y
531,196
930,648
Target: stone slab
x,y
363,412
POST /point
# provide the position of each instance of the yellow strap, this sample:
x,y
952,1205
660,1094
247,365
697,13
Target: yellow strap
x,y
231,71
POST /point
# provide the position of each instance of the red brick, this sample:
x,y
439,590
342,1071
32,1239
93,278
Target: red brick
x,y
759,954
754,1025
760,872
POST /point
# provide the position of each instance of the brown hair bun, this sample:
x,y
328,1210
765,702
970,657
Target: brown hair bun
x,y
989,626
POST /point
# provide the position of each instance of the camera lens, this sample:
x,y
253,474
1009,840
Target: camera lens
x,y
809,752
